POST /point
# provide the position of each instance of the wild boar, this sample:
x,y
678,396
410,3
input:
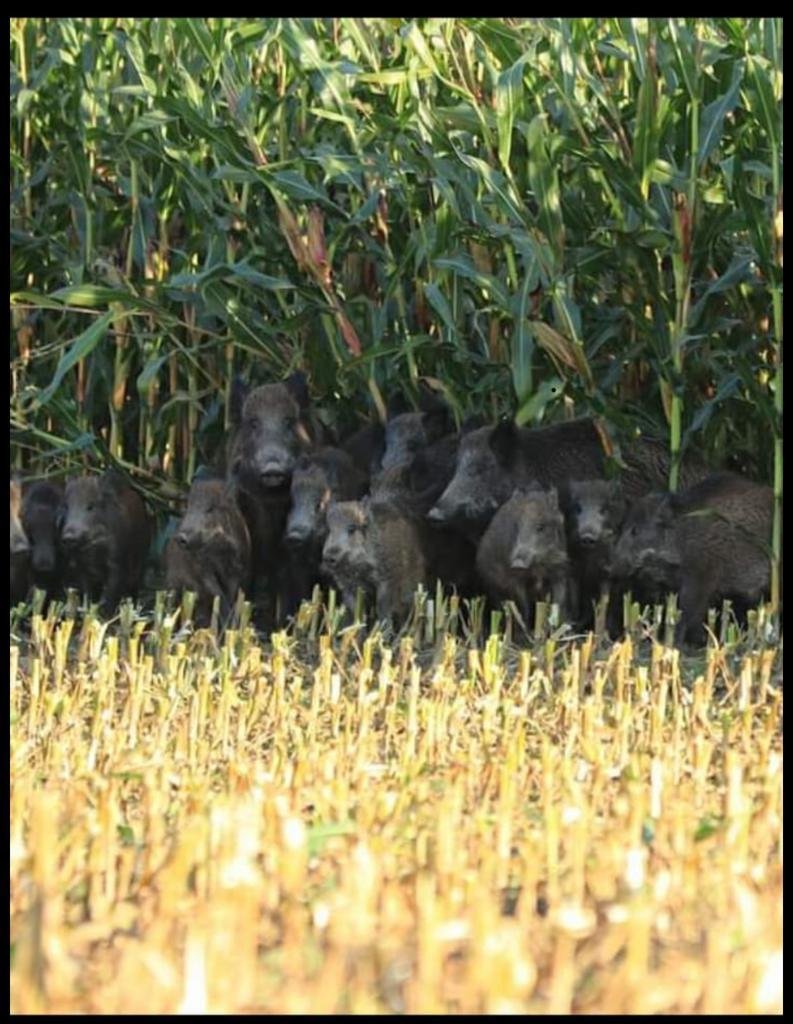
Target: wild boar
x,y
708,543
274,426
493,461
105,538
347,559
593,510
210,552
522,556
376,546
327,474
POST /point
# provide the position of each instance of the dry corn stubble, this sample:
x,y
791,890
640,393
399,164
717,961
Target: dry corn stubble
x,y
336,823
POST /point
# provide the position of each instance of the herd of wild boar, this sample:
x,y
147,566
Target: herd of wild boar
x,y
513,513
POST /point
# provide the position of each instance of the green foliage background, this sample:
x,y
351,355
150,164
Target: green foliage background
x,y
495,206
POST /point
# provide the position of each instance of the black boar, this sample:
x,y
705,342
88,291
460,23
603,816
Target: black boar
x,y
327,474
274,427
594,510
493,461
41,508
20,548
709,542
522,556
105,538
210,552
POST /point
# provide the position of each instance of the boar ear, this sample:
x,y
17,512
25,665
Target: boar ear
x,y
239,392
503,440
297,384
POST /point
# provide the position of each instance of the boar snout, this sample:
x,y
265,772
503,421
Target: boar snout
x,y
43,560
522,558
297,534
273,475
72,536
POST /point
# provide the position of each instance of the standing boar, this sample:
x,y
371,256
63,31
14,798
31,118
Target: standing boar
x,y
493,461
20,548
274,427
399,545
523,553
105,538
347,553
41,508
709,542
379,547
594,510
327,474
210,552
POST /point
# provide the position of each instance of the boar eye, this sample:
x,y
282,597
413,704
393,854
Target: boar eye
x,y
290,421
252,421
351,529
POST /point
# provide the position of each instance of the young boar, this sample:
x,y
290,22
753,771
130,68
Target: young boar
x,y
593,510
347,554
375,545
326,475
709,542
20,548
105,538
210,552
522,556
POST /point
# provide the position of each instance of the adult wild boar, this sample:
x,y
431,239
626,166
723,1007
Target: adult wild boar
x,y
274,426
20,547
41,508
105,538
709,542
210,552
493,461
522,556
